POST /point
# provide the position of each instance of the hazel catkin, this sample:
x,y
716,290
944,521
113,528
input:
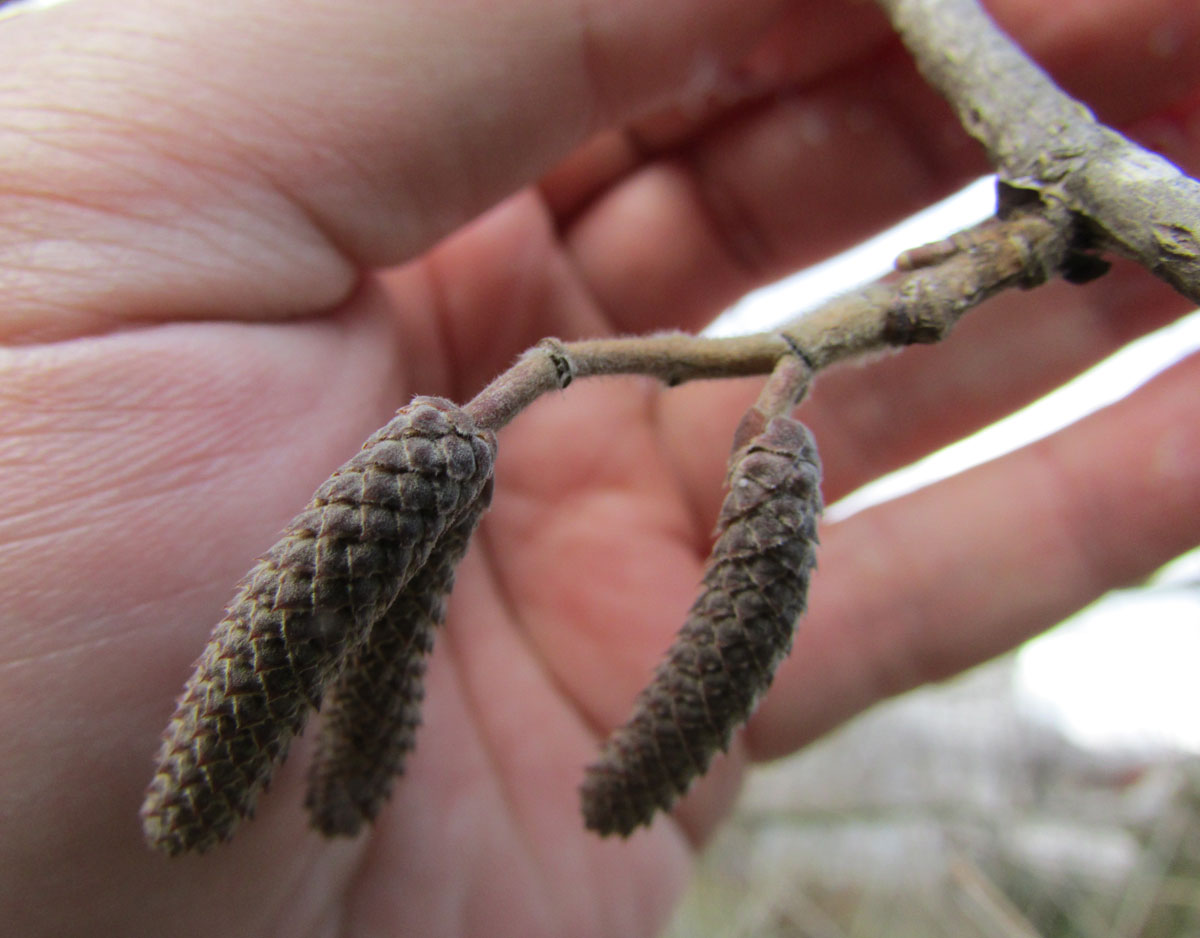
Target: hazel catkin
x,y
369,722
303,609
736,634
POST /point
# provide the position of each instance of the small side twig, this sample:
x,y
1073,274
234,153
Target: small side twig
x,y
921,305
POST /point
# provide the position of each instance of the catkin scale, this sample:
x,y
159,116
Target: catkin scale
x,y
308,604
370,720
736,634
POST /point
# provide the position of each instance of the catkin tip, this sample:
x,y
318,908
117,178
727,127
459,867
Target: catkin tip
x,y
608,807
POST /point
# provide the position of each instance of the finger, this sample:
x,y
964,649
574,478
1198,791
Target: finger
x,y
809,42
926,586
252,155
492,290
237,160
1079,42
818,45
703,207
782,185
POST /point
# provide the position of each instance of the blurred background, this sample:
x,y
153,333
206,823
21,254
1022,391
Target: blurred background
x,y
1054,792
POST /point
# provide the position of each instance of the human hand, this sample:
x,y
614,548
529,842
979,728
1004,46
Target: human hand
x,y
220,256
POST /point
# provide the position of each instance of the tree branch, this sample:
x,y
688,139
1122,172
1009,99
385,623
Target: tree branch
x,y
937,286
1037,137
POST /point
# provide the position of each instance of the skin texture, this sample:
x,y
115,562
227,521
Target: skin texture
x,y
235,236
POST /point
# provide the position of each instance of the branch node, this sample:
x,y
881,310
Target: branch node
x,y
1078,267
904,327
799,351
1081,261
1046,145
564,365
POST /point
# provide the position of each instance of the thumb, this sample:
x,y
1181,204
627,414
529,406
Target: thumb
x,y
246,158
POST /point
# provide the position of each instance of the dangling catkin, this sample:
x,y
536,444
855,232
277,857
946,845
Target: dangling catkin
x,y
735,635
369,722
308,604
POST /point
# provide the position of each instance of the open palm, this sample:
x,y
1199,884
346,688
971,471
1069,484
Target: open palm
x,y
192,200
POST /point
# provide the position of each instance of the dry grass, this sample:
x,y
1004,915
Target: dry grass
x,y
951,813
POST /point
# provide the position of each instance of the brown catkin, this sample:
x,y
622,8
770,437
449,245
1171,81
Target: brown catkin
x,y
735,636
370,720
306,605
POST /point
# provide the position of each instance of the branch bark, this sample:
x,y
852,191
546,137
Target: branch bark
x,y
1037,137
937,286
